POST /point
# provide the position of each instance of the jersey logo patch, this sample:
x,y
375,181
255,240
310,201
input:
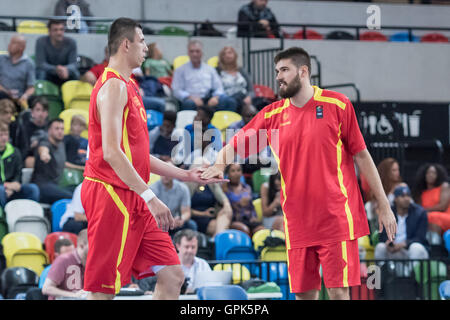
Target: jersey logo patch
x,y
319,112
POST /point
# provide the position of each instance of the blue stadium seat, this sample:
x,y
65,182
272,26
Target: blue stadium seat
x,y
58,208
444,290
446,238
403,37
234,245
226,292
43,276
154,119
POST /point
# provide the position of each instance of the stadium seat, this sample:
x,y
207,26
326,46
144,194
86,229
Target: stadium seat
x,y
258,179
234,245
173,31
32,27
340,35
434,37
101,28
67,115
3,223
184,118
446,238
17,280
264,91
372,36
310,35
365,243
225,292
258,208
75,90
444,290
23,249
222,119
46,88
166,81
84,64
55,107
43,276
213,61
438,273
71,177
179,61
49,242
276,252
58,209
403,37
154,118
240,272
154,178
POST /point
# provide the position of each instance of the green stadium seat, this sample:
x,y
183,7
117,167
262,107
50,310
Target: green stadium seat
x,y
71,177
258,179
173,31
46,88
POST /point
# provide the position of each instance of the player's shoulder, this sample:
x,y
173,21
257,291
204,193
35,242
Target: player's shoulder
x,y
269,109
332,97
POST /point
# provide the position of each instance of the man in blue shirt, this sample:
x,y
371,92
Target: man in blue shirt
x,y
197,84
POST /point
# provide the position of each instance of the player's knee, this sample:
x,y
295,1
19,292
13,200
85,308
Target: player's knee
x,y
338,293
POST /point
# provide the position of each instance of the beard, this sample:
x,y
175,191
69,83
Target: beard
x,y
291,88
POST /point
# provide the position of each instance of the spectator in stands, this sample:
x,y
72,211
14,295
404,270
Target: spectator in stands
x,y
74,219
235,80
83,10
50,160
62,246
175,195
31,127
412,223
75,144
270,202
155,65
208,143
210,207
247,113
432,191
17,71
240,196
11,186
66,275
96,71
197,84
56,55
161,144
7,111
186,242
257,20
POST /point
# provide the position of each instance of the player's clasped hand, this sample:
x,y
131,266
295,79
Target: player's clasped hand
x,y
198,175
162,214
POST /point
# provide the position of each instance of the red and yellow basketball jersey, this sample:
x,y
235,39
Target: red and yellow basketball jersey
x,y
314,150
135,139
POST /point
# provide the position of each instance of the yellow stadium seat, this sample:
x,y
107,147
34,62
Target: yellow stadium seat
x,y
154,178
179,61
240,272
274,254
75,90
258,208
222,119
259,237
364,242
3,52
23,249
67,115
213,61
32,27
277,253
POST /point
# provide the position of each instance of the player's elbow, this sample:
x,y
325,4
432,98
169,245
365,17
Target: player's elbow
x,y
109,154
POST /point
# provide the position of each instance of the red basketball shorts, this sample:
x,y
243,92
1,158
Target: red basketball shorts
x,y
340,266
123,238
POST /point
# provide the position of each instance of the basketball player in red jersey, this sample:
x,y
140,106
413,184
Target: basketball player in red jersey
x,y
315,139
127,224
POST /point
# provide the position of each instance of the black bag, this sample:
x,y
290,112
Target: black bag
x,y
395,287
207,29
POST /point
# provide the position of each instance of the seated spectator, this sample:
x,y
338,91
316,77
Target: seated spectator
x,y
257,20
432,192
31,127
96,71
11,186
175,195
161,144
50,160
74,219
206,145
210,207
186,243
410,240
155,65
62,246
7,111
152,93
197,84
247,113
236,82
56,55
66,275
17,72
76,145
270,202
240,196
84,11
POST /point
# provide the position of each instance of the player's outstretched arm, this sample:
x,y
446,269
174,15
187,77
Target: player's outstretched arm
x,y
386,217
224,158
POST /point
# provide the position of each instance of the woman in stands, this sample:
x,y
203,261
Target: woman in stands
x,y
235,80
432,191
210,207
240,196
155,65
270,201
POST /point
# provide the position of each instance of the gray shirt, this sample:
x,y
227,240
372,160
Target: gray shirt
x,y
19,75
53,170
174,198
48,56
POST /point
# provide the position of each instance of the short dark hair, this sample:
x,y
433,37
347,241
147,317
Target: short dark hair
x,y
54,21
170,116
209,111
62,242
53,121
188,233
298,56
121,28
39,99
